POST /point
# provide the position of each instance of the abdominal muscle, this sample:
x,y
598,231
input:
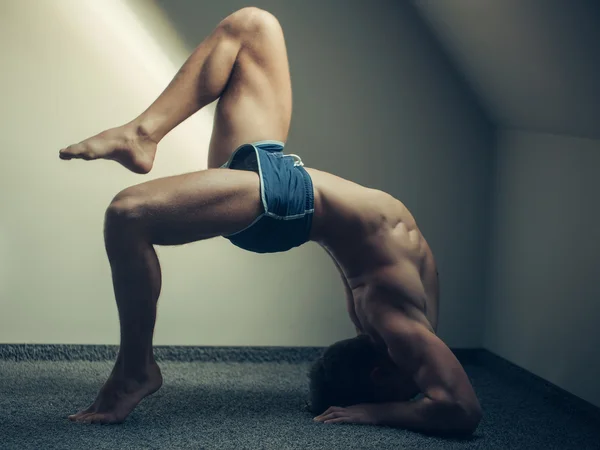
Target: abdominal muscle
x,y
402,286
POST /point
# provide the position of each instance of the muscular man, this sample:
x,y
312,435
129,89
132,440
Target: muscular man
x,y
265,201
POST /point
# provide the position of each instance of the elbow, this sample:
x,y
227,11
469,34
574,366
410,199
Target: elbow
x,y
469,418
456,418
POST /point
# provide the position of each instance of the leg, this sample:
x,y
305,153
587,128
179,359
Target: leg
x,y
167,211
244,62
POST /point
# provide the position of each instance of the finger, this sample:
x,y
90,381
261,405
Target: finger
x,y
328,411
332,415
339,420
331,409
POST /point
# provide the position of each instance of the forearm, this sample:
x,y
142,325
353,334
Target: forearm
x,y
429,416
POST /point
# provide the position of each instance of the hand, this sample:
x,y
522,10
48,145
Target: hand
x,y
364,413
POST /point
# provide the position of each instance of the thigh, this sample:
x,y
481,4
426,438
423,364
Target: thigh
x,y
194,206
257,102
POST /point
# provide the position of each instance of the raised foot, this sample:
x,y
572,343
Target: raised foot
x,y
128,145
119,396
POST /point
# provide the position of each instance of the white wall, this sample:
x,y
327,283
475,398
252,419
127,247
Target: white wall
x,y
543,310
376,101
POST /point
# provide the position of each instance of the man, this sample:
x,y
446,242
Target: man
x,y
265,201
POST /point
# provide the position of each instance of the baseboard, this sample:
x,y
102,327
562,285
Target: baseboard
x,y
517,375
509,372
76,352
79,352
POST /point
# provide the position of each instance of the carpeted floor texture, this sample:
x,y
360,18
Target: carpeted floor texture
x,y
253,398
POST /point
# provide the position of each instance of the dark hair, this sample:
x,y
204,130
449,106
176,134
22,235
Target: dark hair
x,y
341,376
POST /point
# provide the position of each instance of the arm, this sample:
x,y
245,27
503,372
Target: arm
x,y
449,404
348,291
349,299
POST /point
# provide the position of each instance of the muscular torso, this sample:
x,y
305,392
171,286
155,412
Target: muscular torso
x,y
384,260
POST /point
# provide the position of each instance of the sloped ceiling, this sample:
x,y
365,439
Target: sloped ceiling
x,y
534,63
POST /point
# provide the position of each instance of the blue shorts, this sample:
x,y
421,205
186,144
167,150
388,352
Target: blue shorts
x,y
287,196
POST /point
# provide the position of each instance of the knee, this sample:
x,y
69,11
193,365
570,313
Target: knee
x,y
127,207
250,19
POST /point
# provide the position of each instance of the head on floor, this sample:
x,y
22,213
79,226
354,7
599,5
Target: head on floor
x,y
354,371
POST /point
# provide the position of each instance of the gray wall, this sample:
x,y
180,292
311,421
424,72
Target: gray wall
x,y
375,101
543,311
535,64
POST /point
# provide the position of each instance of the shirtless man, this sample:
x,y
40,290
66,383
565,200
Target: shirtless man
x,y
265,201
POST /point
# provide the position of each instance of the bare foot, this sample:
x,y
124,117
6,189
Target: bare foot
x,y
119,396
128,145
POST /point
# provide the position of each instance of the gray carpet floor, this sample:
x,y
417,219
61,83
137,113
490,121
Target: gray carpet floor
x,y
258,404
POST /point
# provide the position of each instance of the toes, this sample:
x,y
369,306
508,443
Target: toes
x,y
87,155
64,154
99,419
70,152
78,416
91,418
94,417
78,151
83,417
